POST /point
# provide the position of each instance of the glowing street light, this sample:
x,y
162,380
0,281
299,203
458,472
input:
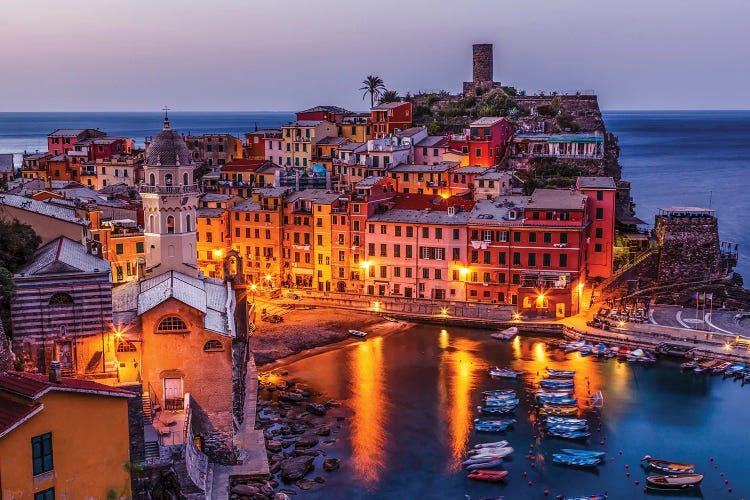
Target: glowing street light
x,y
728,347
376,306
516,316
580,292
444,312
217,253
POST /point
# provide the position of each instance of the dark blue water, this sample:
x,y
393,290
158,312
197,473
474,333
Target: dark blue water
x,y
409,400
672,158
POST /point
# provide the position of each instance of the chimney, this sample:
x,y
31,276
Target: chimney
x,y
55,373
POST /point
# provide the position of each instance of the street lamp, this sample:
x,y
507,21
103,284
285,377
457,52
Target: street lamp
x,y
580,291
253,288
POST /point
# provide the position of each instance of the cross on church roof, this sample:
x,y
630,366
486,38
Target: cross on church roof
x,y
166,117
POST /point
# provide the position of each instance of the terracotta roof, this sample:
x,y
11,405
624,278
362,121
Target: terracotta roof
x,y
35,385
242,165
409,201
14,413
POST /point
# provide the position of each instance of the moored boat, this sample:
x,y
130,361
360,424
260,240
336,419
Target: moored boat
x,y
566,427
565,420
492,476
556,384
559,411
561,373
501,392
674,481
507,334
689,365
494,444
588,497
501,402
502,421
721,367
568,434
497,372
556,393
492,453
734,369
498,409
583,453
667,466
486,465
550,401
577,461
489,427
358,333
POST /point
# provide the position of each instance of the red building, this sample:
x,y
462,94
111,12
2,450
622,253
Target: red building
x,y
63,140
389,117
485,140
255,146
105,147
600,240
332,114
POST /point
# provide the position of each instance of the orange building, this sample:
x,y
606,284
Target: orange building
x,y
389,117
62,438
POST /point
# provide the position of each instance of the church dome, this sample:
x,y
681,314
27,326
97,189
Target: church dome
x,y
167,149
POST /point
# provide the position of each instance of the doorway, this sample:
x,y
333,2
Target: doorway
x,y
173,399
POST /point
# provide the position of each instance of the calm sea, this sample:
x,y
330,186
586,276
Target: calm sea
x,y
672,158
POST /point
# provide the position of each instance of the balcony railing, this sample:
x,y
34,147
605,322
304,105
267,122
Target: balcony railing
x,y
157,189
301,138
437,184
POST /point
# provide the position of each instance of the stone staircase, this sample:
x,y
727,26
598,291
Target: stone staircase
x,y
151,450
148,414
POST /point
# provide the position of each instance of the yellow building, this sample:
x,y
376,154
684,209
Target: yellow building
x,y
300,141
62,438
356,127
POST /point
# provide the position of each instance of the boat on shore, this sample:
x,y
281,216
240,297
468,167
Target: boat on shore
x,y
674,481
391,319
358,333
576,461
492,476
667,467
507,334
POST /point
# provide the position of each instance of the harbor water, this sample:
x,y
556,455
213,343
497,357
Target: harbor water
x,y
409,400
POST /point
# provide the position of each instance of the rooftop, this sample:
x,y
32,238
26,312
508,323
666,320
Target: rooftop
x,y
319,196
557,199
388,105
596,183
6,162
47,208
242,165
494,174
332,141
470,170
246,206
433,141
410,132
304,123
271,192
424,216
61,256
329,109
369,181
35,385
486,121
443,166
352,146
209,213
72,132
569,137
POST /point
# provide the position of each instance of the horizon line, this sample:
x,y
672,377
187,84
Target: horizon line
x,y
620,110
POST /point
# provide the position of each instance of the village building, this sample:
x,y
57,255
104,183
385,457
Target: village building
x,y
389,117
333,114
300,139
430,150
255,144
211,150
63,437
64,140
34,166
50,219
485,140
424,179
356,127
7,169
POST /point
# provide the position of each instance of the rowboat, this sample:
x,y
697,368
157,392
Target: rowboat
x,y
583,453
588,497
721,367
705,365
565,420
498,409
734,369
491,453
561,373
667,466
577,461
557,393
559,411
486,465
556,384
492,476
358,333
502,421
600,350
567,427
585,350
557,401
496,444
569,434
688,365
481,427
497,372
501,392
674,482
501,402
507,334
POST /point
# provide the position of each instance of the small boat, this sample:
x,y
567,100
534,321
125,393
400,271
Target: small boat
x,y
556,384
568,434
721,367
705,365
496,444
498,372
689,365
501,402
557,401
492,476
600,350
489,427
583,453
559,411
486,465
565,420
561,373
567,427
667,466
577,461
498,409
674,482
587,497
358,333
585,350
502,421
734,369
492,453
507,334
557,393
391,319
501,392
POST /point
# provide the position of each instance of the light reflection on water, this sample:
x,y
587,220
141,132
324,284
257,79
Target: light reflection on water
x,y
369,403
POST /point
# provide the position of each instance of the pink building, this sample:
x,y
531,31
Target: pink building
x,y
430,150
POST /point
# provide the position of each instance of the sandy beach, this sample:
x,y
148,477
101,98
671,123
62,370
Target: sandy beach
x,y
303,330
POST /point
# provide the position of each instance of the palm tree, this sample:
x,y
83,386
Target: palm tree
x,y
389,96
374,86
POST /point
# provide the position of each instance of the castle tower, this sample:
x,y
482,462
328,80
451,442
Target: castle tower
x,y
170,200
482,60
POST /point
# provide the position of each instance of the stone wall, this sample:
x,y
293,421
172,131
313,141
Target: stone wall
x,y
6,354
482,62
689,247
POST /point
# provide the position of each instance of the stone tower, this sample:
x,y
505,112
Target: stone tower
x,y
482,60
170,201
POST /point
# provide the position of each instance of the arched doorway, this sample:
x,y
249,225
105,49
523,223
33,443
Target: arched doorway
x,y
341,287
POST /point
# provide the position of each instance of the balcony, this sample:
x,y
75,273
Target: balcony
x,y
436,184
125,234
157,189
301,138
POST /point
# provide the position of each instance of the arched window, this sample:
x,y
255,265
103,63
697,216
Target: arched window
x,y
171,324
187,223
151,223
170,224
185,178
126,346
168,179
152,180
213,346
61,299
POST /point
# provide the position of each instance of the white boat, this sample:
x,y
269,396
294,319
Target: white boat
x,y
507,334
358,333
496,444
492,453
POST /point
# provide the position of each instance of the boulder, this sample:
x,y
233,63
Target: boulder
x,y
323,430
320,480
245,489
331,464
307,441
297,428
266,490
295,468
274,467
273,445
316,409
304,484
281,496
287,492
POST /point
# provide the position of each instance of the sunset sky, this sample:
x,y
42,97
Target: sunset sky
x,y
97,55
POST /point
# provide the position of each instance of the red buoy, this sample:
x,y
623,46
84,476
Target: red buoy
x,y
546,492
530,483
627,474
636,481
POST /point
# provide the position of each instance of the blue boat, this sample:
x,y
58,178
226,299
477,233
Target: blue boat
x,y
556,384
497,372
734,369
567,427
557,400
500,393
583,453
561,373
568,434
482,427
587,497
585,350
498,409
577,461
502,421
565,420
501,402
